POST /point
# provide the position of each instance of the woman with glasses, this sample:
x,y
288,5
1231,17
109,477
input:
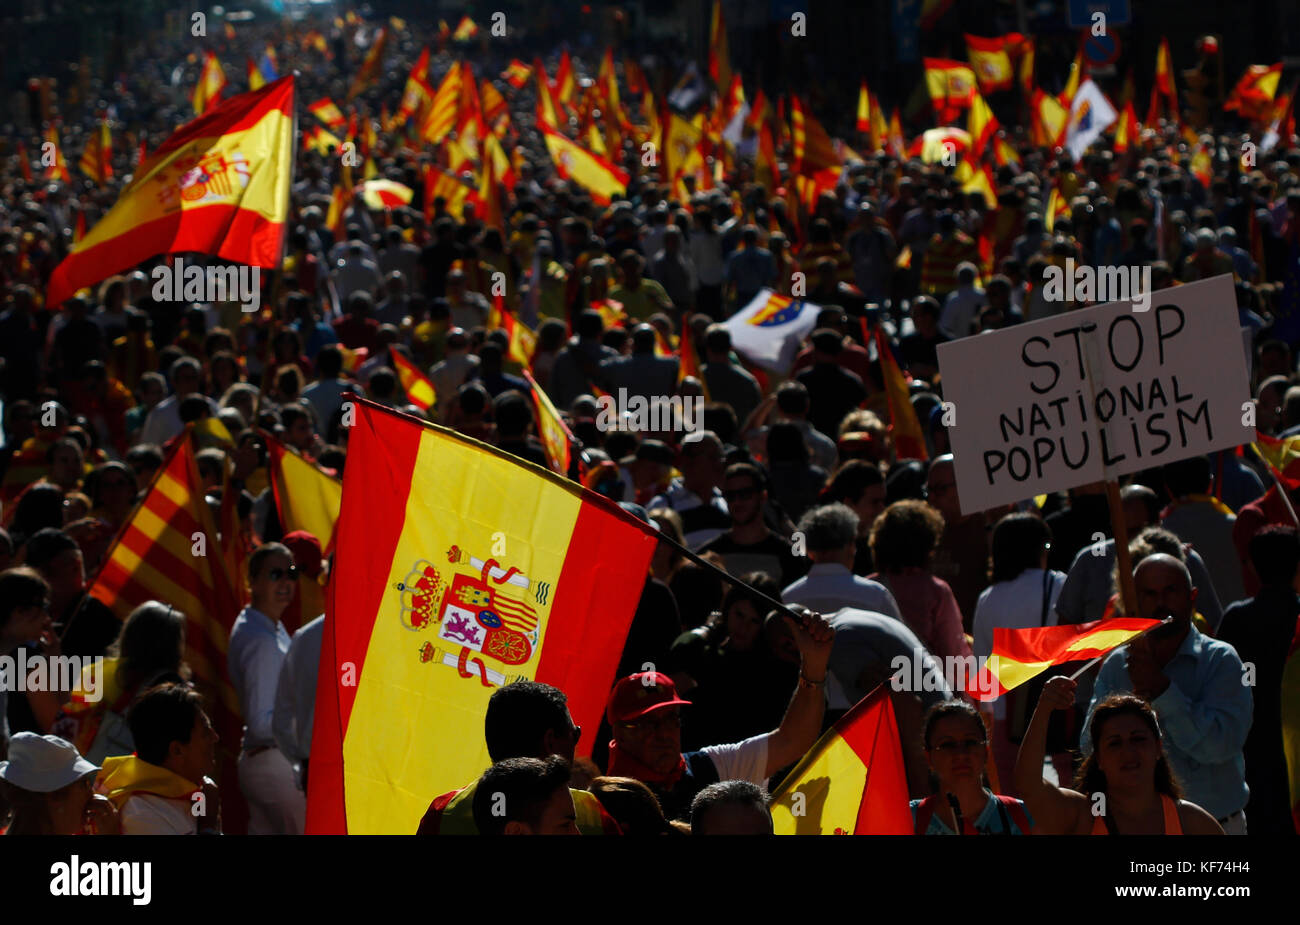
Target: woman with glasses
x,y
956,748
1124,787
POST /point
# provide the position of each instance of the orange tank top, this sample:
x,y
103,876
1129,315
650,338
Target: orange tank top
x,y
1173,826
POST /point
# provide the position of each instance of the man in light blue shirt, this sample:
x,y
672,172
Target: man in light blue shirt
x,y
1196,686
258,645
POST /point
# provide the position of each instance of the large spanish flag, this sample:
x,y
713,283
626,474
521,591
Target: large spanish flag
x,y
219,185
852,782
602,179
990,59
306,497
459,569
1019,655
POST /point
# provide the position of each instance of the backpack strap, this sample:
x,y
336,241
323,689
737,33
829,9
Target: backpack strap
x,y
1016,810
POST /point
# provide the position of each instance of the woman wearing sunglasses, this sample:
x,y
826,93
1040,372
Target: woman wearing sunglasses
x,y
258,644
1124,787
956,747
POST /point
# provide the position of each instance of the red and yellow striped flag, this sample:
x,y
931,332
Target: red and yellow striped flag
x,y
445,589
1020,655
219,185
909,440
305,497
552,430
79,227
212,80
97,159
441,117
602,179
169,551
59,169
852,782
813,150
419,390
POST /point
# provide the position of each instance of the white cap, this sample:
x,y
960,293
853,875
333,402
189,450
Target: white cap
x,y
43,764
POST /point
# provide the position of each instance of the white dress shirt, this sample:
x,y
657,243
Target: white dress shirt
x,y
257,649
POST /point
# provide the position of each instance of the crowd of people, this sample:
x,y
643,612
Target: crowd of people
x,y
887,563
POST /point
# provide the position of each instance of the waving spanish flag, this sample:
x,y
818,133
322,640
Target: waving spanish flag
x,y
593,173
328,112
212,80
991,61
517,73
909,441
459,569
219,185
551,428
951,85
1020,655
58,170
97,159
852,782
1254,93
419,390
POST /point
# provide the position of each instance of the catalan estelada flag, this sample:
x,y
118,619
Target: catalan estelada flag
x,y
909,441
602,179
305,497
1019,655
852,782
212,80
219,185
458,569
419,390
169,551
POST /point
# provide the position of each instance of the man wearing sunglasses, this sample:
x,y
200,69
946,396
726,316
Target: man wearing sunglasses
x,y
751,545
258,645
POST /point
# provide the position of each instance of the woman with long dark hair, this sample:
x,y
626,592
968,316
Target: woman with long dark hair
x,y
1125,787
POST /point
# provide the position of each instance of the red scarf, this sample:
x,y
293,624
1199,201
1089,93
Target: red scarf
x,y
622,764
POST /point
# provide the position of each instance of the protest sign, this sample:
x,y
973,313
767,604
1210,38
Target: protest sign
x,y
1096,393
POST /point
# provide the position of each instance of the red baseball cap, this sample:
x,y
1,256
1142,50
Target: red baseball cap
x,y
639,694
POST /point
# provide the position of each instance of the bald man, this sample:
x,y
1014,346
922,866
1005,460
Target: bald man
x,y
1196,685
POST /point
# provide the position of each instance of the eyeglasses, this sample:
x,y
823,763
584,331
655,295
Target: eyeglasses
x,y
276,574
965,745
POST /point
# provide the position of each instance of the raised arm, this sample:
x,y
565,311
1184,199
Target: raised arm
x,y
1055,809
802,723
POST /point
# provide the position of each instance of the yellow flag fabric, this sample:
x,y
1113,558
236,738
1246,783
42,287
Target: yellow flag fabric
x,y
307,498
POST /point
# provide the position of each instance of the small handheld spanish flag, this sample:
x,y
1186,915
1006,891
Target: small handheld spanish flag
x,y
1020,655
419,390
